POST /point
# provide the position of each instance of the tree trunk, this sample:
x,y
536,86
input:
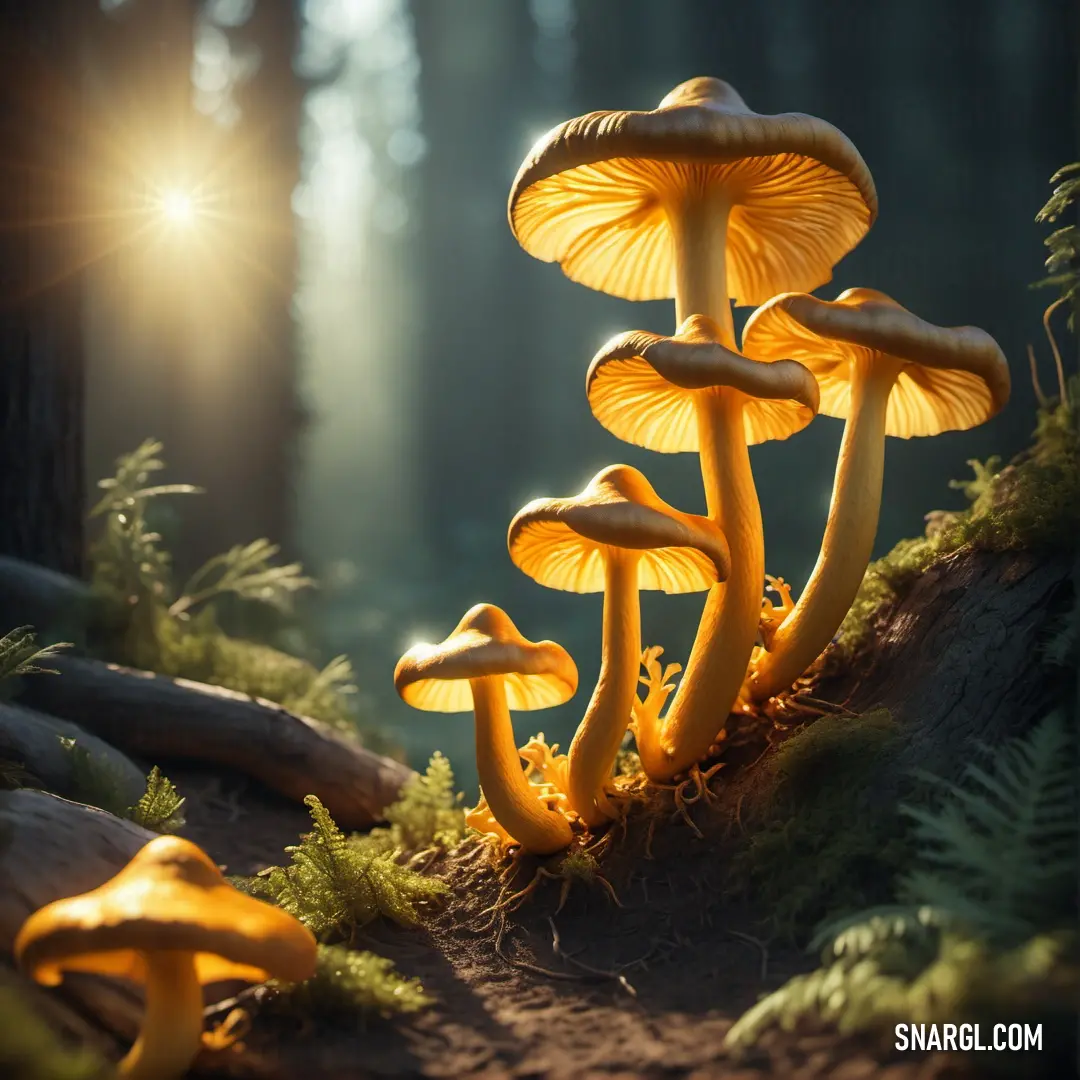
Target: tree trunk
x,y
41,256
959,659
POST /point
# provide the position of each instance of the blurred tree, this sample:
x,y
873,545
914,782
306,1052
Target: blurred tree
x,y
42,251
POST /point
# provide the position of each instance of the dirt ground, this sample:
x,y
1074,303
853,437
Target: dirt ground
x,y
645,990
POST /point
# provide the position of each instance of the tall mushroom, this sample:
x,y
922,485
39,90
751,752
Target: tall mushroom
x,y
170,921
618,536
888,373
487,666
690,392
700,198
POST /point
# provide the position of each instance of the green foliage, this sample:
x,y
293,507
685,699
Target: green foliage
x,y
20,653
1031,504
161,807
984,929
336,886
1063,262
29,1050
1000,853
929,978
427,813
94,779
349,984
176,631
820,843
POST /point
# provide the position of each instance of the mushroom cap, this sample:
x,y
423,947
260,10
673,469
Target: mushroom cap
x,y
953,378
641,387
560,542
170,897
536,674
591,194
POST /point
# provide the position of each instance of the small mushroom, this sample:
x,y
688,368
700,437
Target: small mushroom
x,y
888,373
701,199
618,536
690,392
487,666
170,921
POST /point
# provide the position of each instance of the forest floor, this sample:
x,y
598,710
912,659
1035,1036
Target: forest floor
x,y
642,990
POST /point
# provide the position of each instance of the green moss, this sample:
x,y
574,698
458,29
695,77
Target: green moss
x,y
350,984
426,815
198,649
94,779
1031,504
817,844
29,1050
335,886
985,928
160,808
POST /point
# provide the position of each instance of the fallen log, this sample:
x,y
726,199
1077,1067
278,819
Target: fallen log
x,y
32,740
58,607
157,719
51,848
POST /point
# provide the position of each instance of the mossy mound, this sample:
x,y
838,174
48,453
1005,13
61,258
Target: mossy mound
x,y
816,843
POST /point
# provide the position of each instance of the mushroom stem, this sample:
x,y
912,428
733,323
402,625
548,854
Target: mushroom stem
x,y
849,536
510,797
596,744
173,1022
729,622
699,231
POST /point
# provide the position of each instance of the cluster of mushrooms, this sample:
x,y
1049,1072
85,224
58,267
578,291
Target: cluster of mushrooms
x,y
702,200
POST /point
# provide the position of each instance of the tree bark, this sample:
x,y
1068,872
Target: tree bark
x,y
157,719
958,659
42,242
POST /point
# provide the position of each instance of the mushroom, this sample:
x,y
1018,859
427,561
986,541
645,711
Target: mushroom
x,y
690,392
487,666
170,921
617,535
888,373
701,199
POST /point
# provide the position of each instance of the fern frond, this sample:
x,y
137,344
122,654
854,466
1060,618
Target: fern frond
x,y
160,808
335,887
246,571
1000,853
428,812
21,655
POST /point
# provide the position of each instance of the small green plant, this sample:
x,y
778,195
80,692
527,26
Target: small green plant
x,y
20,653
161,807
30,1050
348,984
985,920
335,886
1063,262
427,814
175,630
95,780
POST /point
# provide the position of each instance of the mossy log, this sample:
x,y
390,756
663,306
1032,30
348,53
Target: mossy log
x,y
959,660
32,740
158,719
